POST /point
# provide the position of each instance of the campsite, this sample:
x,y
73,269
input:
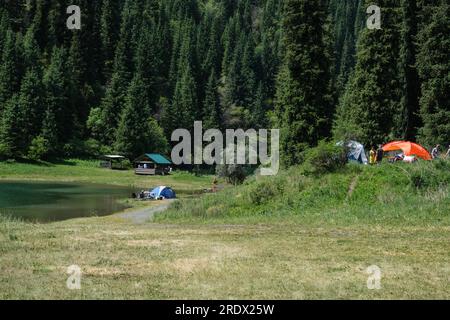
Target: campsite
x,y
224,149
241,233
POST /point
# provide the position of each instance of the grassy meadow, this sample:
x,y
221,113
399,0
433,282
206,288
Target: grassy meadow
x,y
294,236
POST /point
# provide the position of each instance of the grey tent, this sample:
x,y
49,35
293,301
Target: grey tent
x,y
356,151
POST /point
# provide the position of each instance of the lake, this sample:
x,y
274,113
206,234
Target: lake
x,y
47,201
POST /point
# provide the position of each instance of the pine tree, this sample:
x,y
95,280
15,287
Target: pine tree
x,y
434,69
303,114
137,132
110,20
409,122
11,130
348,25
147,62
114,100
184,103
9,69
31,103
58,85
259,110
50,132
77,68
373,95
213,116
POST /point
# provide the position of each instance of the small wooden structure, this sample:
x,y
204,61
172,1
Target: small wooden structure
x,y
112,162
151,164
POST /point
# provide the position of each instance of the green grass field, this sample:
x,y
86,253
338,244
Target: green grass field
x,y
293,236
89,171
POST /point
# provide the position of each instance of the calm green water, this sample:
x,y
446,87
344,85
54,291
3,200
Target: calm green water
x,y
46,202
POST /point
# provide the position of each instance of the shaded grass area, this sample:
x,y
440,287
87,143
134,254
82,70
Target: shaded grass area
x,y
276,261
89,171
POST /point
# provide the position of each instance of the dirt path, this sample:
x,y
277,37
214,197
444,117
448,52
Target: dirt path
x,y
143,215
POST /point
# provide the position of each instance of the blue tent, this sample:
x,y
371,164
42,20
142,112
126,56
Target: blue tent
x,y
163,193
356,152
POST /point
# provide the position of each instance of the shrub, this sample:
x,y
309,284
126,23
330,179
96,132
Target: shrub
x,y
235,174
262,192
38,149
430,175
325,158
5,151
126,164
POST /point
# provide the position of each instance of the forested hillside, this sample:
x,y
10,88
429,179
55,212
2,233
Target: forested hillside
x,y
137,70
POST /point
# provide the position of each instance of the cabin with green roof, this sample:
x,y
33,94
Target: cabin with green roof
x,y
151,164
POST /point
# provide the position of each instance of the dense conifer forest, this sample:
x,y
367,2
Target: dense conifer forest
x,y
137,70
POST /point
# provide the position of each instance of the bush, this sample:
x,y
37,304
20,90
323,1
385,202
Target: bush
x,y
126,164
94,148
325,158
235,174
262,192
430,175
5,151
39,148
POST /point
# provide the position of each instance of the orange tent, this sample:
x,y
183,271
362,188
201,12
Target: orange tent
x,y
409,149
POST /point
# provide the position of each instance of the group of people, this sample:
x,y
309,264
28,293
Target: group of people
x,y
376,155
435,153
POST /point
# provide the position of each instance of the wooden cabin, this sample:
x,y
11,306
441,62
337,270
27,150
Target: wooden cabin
x,y
113,162
151,164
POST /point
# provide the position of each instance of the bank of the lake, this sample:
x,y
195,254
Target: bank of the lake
x,y
73,184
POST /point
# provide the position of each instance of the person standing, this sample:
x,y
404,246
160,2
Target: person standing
x,y
373,156
380,154
435,152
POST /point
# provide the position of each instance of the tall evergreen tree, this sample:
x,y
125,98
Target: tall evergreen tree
x,y
409,122
373,96
213,116
137,132
9,69
434,69
184,102
114,100
31,102
110,25
11,130
58,85
348,24
303,114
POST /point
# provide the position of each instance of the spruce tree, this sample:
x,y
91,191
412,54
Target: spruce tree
x,y
50,132
58,85
408,120
110,21
9,69
213,117
184,102
31,102
374,93
12,141
348,25
137,132
433,64
305,102
114,101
